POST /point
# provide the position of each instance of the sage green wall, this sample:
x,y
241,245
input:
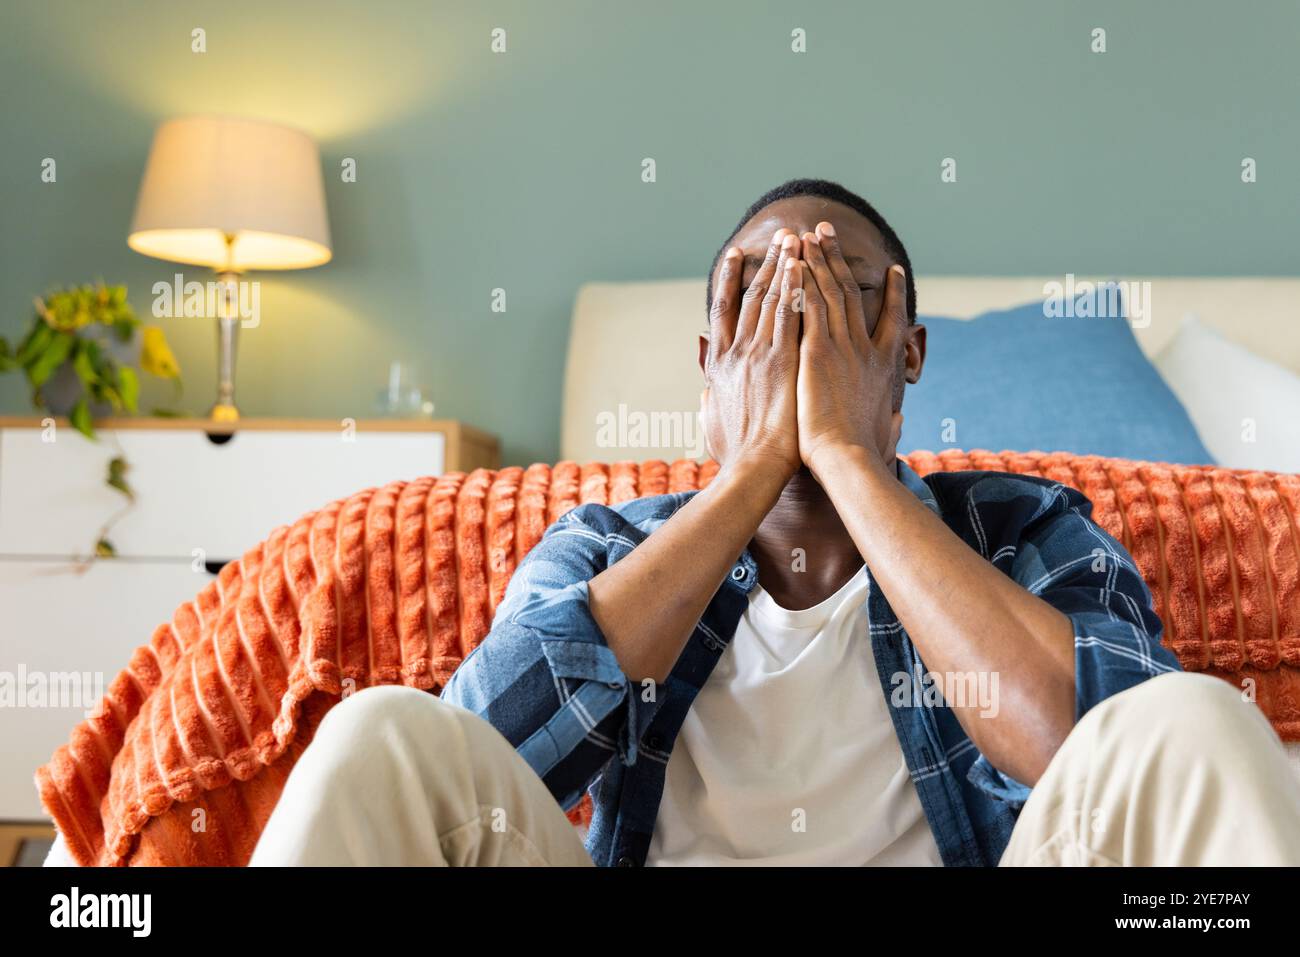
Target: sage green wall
x,y
522,170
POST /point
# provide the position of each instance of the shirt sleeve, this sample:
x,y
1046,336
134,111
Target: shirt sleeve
x,y
544,676
1069,561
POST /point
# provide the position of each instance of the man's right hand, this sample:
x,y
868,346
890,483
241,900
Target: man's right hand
x,y
752,364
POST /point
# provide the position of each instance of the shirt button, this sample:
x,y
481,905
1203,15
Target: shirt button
x,y
626,861
738,573
654,741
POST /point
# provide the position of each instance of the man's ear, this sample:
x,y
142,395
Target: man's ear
x,y
704,352
914,353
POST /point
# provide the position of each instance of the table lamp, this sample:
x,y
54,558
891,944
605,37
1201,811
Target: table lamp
x,y
231,194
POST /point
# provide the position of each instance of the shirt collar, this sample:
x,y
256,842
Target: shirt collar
x,y
916,485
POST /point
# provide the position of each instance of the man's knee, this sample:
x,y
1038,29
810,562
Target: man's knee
x,y
384,712
382,703
1182,709
1194,701
387,717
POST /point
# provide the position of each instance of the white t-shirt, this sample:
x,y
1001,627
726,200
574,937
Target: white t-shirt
x,y
788,754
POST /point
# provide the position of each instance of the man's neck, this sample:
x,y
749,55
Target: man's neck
x,y
804,552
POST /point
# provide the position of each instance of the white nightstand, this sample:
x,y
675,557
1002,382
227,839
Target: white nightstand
x,y
204,497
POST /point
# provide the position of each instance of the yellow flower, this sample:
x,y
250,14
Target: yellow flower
x,y
156,356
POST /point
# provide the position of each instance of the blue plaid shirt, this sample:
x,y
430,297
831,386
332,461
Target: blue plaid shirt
x,y
545,678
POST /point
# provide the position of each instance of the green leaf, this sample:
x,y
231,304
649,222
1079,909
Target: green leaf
x,y
35,343
106,393
83,363
117,469
129,386
45,364
124,328
80,418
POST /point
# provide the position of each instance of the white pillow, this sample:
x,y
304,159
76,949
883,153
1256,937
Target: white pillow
x,y
1246,409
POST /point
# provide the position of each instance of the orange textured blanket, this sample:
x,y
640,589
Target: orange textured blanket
x,y
184,759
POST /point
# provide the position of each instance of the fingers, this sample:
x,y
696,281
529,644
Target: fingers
x,y
814,307
772,300
893,312
834,257
845,283
830,320
725,309
786,321
751,304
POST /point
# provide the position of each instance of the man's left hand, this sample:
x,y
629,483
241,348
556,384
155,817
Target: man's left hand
x,y
847,371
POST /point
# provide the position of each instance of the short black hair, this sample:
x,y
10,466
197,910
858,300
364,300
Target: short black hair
x,y
824,189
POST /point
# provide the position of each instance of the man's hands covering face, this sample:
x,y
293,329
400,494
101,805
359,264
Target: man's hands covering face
x,y
777,398
847,368
753,360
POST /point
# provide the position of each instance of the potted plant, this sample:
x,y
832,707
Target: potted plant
x,y
79,357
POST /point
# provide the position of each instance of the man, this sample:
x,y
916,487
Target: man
x,y
820,658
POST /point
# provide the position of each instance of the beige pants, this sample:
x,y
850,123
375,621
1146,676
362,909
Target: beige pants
x,y
1177,771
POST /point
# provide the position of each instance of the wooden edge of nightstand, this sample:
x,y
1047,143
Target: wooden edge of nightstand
x,y
13,833
249,425
469,448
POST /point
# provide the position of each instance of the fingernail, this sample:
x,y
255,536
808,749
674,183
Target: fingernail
x,y
810,237
898,269
733,252
789,242
828,229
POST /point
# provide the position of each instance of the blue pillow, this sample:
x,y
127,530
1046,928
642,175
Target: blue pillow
x,y
1019,380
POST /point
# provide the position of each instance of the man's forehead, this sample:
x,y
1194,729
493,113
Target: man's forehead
x,y
860,251
858,237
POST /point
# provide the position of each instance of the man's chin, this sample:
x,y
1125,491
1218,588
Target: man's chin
x,y
803,479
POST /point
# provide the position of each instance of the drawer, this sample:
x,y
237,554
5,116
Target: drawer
x,y
191,492
56,621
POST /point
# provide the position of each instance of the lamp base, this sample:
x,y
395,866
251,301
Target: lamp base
x,y
224,410
221,412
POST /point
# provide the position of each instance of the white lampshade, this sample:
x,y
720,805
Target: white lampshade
x,y
213,177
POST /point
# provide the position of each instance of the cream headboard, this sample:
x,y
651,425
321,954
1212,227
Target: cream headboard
x,y
634,344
